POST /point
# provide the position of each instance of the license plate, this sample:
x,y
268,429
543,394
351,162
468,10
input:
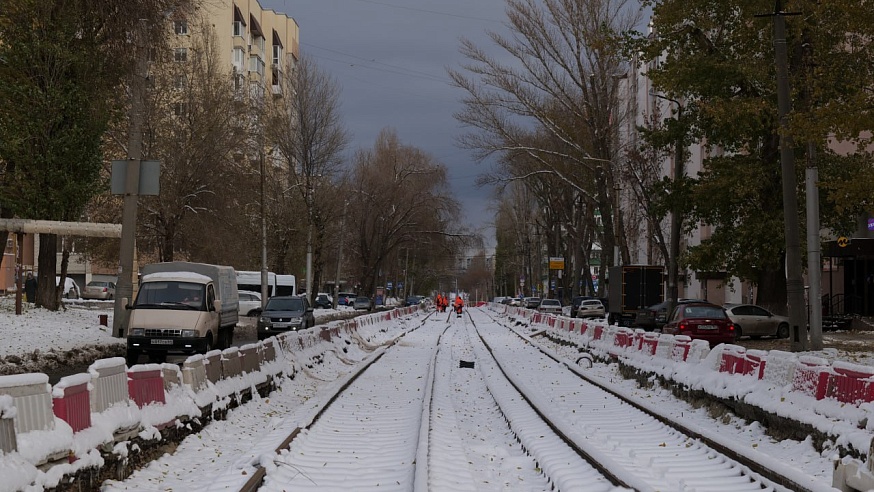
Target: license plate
x,y
160,341
706,327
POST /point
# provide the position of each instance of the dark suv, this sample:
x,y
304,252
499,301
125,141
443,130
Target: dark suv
x,y
285,313
323,301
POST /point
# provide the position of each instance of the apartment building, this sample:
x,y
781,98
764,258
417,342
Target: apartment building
x,y
646,107
261,45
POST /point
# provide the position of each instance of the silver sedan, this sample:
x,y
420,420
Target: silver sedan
x,y
755,321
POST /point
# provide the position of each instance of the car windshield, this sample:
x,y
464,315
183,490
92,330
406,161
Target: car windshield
x,y
592,303
714,312
171,294
277,304
362,299
550,302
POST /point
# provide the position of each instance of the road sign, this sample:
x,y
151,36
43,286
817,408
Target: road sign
x,y
843,241
388,285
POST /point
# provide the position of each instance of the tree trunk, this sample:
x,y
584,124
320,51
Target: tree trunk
x,y
771,292
47,290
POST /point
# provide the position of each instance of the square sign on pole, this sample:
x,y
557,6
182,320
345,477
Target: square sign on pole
x,y
150,177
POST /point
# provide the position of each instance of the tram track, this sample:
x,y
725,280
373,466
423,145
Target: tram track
x,y
678,447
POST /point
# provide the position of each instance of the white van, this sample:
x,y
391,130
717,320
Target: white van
x,y
182,307
249,280
286,285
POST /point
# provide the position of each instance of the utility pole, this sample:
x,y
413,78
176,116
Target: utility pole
x,y
794,281
124,286
340,255
263,205
814,259
309,200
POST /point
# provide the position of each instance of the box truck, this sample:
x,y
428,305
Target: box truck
x,y
631,288
182,307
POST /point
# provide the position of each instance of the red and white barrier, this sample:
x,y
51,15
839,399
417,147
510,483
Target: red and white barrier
x,y
71,401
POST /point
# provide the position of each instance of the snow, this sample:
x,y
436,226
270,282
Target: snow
x,y
225,453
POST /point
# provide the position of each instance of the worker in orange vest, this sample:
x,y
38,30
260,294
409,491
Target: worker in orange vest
x,y
459,303
438,301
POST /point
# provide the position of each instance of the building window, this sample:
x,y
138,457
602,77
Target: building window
x,y
239,59
180,81
181,27
180,54
277,55
239,81
256,65
239,28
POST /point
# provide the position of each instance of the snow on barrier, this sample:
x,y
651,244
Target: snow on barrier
x,y
194,373
8,443
108,383
146,384
71,401
231,367
31,395
851,383
811,376
212,363
249,360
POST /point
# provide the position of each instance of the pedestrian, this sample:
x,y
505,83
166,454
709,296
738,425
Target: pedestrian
x,y
30,288
459,303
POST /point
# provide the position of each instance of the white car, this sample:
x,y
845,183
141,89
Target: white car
x,y
250,303
552,306
71,288
590,308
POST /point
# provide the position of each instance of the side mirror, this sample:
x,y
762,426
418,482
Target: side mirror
x,y
217,305
124,302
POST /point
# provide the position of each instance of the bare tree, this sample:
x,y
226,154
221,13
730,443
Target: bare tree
x,y
399,198
564,82
306,131
194,127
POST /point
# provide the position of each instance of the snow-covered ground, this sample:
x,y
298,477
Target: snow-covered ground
x,y
226,451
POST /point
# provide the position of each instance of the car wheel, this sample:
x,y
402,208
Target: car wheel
x,y
783,331
738,332
132,357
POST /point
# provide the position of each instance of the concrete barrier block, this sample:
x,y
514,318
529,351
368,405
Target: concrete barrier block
x,y
108,383
146,384
32,398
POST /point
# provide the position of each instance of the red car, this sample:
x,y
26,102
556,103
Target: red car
x,y
703,321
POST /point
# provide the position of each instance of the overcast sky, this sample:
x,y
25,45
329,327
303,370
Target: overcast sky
x,y
390,59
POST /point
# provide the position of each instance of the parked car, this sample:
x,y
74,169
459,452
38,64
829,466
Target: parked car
x,y
702,321
362,302
654,317
250,303
345,298
99,289
551,306
285,313
323,301
755,321
71,288
531,302
591,308
412,300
